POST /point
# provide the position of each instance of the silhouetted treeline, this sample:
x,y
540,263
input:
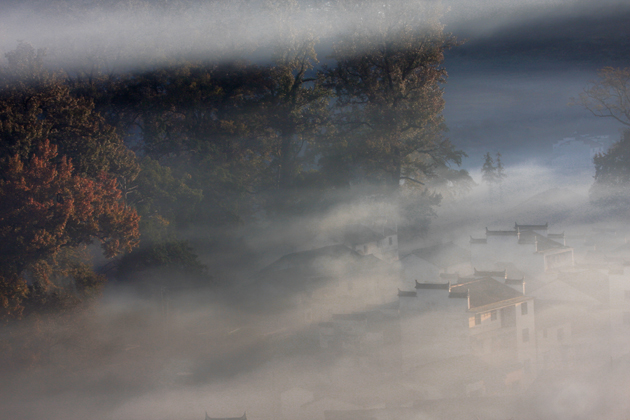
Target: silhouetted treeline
x,y
217,142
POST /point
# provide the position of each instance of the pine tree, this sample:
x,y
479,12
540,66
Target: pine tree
x,y
500,176
489,174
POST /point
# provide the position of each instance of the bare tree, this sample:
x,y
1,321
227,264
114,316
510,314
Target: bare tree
x,y
609,95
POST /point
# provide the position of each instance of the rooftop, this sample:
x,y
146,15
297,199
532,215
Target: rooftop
x,y
487,291
531,227
501,232
434,286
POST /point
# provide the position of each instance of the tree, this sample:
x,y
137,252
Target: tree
x,y
609,96
37,105
489,174
611,188
388,82
45,208
500,176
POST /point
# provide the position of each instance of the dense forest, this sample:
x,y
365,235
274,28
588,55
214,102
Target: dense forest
x,y
127,158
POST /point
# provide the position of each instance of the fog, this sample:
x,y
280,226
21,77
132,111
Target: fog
x,y
303,323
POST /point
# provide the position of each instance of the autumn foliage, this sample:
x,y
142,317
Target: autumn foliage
x,y
45,208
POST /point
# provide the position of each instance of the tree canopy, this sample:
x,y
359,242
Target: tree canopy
x,y
388,81
45,207
611,187
132,158
609,95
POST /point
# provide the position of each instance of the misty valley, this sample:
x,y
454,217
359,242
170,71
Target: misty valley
x,y
314,210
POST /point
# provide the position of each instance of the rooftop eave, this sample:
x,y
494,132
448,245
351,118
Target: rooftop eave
x,y
499,305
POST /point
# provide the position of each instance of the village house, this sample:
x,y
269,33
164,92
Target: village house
x,y
483,318
528,247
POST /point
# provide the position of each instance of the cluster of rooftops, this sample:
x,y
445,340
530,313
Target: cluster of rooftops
x,y
527,234
482,290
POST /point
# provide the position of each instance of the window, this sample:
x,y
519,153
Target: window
x,y
524,308
525,335
477,319
493,315
560,334
390,240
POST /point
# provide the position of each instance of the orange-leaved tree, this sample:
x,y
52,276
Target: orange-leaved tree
x,y
45,208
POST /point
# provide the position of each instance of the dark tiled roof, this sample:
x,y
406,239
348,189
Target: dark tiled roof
x,y
434,286
501,232
531,227
515,281
486,291
404,293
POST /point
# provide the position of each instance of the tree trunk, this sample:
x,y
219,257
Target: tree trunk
x,y
285,171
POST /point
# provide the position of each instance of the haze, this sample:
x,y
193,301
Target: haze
x,y
297,315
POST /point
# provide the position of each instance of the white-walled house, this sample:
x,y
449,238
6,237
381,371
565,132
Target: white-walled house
x,y
482,317
528,247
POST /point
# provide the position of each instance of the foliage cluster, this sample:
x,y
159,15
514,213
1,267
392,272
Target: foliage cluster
x,y
129,158
609,97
